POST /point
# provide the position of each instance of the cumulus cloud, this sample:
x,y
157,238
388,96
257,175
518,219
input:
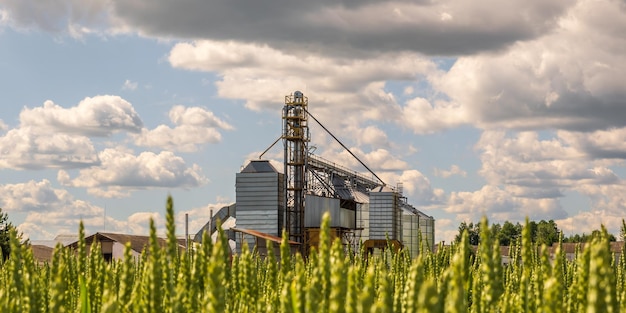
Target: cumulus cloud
x,y
377,160
499,205
572,73
372,135
534,65
48,225
43,204
29,148
347,93
603,144
52,211
198,216
527,175
52,136
194,126
610,199
34,196
566,79
120,168
587,221
447,229
261,74
417,187
454,170
527,162
570,51
96,116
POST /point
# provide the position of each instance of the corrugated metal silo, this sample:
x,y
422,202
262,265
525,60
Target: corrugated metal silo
x,y
385,218
260,199
416,225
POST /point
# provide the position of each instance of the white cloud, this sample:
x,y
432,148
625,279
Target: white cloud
x,y
4,17
417,187
447,229
196,116
33,196
382,159
194,126
43,204
454,170
588,221
260,74
29,148
372,135
51,211
500,205
129,85
198,217
527,175
530,163
120,168
610,199
377,160
3,126
424,116
52,136
97,116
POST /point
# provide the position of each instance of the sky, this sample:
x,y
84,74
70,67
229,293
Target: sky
x,y
505,109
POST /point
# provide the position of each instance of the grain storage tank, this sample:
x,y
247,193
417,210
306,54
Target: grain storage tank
x,y
415,226
260,196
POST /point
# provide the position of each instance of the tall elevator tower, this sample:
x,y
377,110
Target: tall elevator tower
x,y
296,139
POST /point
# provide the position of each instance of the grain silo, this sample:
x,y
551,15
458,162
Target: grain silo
x,y
363,209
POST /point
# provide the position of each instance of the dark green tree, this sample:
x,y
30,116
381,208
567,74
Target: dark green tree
x,y
473,231
5,230
547,233
509,233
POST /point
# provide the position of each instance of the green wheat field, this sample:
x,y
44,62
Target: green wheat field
x,y
208,279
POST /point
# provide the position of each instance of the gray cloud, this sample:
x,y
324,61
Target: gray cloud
x,y
77,17
601,144
525,172
346,27
571,78
446,27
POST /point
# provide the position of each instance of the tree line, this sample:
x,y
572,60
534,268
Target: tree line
x,y
542,232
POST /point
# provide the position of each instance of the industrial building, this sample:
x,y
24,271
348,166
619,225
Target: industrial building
x,y
365,212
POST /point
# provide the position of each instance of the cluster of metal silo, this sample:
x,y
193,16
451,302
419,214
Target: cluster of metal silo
x,y
364,211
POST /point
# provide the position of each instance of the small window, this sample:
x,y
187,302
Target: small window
x,y
108,257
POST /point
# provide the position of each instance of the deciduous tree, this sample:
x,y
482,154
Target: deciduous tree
x,y
5,230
